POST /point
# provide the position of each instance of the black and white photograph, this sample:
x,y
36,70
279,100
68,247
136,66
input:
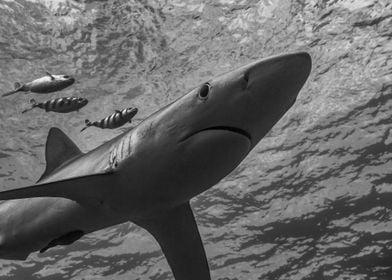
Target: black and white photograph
x,y
196,140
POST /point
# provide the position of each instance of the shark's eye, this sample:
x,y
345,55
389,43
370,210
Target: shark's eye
x,y
204,91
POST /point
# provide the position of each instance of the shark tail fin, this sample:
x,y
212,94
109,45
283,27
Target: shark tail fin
x,y
33,105
87,123
18,87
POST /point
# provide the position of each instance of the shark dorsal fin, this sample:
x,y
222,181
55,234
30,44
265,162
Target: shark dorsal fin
x,y
59,149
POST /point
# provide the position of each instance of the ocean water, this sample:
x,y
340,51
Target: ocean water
x,y
312,201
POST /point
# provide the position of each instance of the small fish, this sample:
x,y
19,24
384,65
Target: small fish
x,y
117,119
46,84
59,105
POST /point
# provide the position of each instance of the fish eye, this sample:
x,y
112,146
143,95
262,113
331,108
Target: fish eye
x,y
65,76
204,91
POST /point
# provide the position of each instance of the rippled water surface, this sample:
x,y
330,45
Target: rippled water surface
x,y
312,201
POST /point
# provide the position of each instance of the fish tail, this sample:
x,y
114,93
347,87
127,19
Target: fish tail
x,y
88,124
24,111
18,87
9,93
33,105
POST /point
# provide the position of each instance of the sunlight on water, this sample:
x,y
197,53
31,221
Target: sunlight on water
x,y
312,201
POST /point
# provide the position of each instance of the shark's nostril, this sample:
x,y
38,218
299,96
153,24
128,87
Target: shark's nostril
x,y
245,80
246,77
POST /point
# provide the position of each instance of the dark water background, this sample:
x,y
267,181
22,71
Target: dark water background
x,y
312,201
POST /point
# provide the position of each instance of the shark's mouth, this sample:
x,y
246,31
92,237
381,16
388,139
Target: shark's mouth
x,y
222,128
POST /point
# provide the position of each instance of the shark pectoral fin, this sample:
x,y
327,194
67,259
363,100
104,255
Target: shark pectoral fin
x,y
59,149
65,239
179,238
85,190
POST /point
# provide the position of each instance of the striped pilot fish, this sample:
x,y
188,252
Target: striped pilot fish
x,y
59,105
46,84
117,119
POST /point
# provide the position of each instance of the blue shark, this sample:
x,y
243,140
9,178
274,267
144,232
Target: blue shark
x,y
148,175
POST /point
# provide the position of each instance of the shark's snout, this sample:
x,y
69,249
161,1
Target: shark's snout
x,y
285,74
269,89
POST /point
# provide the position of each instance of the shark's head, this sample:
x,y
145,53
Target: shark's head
x,y
208,132
246,102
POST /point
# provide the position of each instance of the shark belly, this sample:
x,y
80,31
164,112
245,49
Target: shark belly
x,y
28,225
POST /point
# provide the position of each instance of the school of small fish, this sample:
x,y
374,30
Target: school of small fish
x,y
51,83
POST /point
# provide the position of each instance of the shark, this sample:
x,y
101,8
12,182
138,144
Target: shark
x,y
148,174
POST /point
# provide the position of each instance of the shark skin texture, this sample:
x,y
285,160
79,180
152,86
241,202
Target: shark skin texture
x,y
148,174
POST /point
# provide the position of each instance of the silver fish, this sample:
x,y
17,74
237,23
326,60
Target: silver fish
x,y
46,84
59,105
115,120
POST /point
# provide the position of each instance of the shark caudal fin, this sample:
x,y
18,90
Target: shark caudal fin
x,y
59,149
18,87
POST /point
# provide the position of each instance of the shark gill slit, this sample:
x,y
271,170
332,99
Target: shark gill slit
x,y
120,152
